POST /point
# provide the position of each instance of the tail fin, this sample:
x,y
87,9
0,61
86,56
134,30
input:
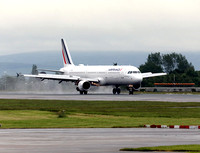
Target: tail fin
x,y
66,55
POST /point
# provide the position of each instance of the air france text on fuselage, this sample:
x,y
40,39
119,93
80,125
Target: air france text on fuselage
x,y
113,69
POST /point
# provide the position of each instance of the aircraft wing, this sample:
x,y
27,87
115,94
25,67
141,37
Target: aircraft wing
x,y
149,74
56,71
60,77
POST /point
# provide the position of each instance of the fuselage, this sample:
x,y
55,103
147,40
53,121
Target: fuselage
x,y
107,75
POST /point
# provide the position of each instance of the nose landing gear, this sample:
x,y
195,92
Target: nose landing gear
x,y
130,89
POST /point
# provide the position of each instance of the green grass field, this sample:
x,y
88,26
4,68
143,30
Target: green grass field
x,y
82,114
175,148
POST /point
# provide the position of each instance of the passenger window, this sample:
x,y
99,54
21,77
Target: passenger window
x,y
130,72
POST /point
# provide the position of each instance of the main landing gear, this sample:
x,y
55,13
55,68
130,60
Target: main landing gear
x,y
116,90
83,92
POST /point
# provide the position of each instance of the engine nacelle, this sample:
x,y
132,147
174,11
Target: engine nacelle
x,y
83,86
136,86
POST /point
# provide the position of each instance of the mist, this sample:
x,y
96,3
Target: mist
x,y
36,86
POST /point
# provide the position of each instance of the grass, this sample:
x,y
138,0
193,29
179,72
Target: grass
x,y
117,108
82,114
175,148
46,119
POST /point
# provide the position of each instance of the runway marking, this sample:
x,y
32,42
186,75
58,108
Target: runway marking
x,y
174,126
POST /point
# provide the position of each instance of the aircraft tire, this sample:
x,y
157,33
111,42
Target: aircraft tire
x,y
130,92
118,90
114,91
85,92
81,92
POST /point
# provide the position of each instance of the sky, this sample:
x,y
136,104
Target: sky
x,y
99,25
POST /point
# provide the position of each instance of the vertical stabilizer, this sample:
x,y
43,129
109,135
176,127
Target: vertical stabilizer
x,y
67,60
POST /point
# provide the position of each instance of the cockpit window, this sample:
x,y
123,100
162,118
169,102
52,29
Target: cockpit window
x,y
135,72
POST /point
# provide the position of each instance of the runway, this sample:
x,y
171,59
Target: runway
x,y
92,140
105,97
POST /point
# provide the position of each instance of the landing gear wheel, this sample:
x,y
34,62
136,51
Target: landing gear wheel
x,y
118,90
83,92
114,91
130,92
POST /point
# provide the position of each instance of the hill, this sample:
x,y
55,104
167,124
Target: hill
x,y
11,64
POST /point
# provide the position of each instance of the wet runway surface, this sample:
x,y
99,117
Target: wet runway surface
x,y
106,97
91,140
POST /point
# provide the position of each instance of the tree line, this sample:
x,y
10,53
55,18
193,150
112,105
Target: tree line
x,y
176,65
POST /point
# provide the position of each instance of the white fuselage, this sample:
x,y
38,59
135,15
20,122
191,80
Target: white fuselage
x,y
107,75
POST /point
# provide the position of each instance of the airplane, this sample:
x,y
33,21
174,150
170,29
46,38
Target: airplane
x,y
86,76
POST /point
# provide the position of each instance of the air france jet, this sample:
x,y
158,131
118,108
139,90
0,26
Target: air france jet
x,y
86,76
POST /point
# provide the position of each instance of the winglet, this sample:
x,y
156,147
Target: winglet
x,y
67,60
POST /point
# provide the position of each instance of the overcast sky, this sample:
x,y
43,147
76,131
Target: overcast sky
x,y
99,25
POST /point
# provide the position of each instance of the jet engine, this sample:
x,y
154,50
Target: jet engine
x,y
83,86
137,86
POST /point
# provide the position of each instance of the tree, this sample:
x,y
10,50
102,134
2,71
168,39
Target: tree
x,y
155,58
176,65
176,62
169,62
183,65
153,64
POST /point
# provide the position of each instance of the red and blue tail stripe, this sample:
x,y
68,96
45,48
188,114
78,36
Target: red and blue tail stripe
x,y
66,55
